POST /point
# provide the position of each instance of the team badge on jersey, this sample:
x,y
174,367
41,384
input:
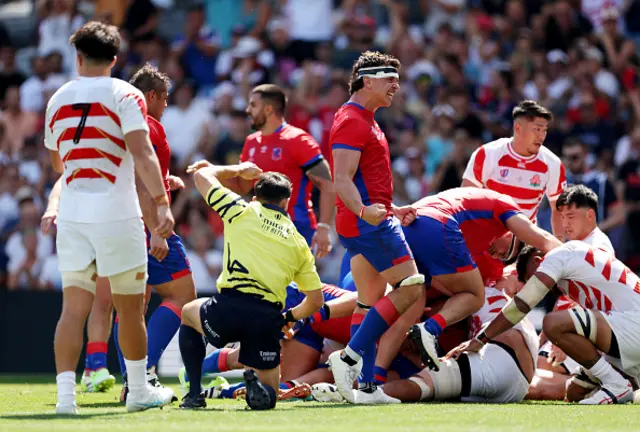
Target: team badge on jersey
x,y
252,151
277,153
535,181
263,149
504,173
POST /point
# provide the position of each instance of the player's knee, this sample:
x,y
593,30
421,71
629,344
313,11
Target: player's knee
x,y
130,282
190,312
552,325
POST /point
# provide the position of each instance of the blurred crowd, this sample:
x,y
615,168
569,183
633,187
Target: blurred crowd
x,y
465,65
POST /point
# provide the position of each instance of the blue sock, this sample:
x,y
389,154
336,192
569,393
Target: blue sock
x,y
163,325
369,354
96,356
380,375
193,350
228,393
375,323
435,325
216,362
123,366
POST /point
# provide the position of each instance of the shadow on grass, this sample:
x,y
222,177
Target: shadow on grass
x,y
53,416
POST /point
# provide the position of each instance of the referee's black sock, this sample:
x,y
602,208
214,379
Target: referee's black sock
x,y
193,350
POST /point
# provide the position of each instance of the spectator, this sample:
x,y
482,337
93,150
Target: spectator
x,y
24,267
141,21
449,173
465,117
228,149
611,215
564,25
33,89
629,184
186,123
597,134
17,125
206,263
439,141
310,24
59,20
197,48
9,74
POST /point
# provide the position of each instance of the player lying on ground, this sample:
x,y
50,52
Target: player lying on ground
x,y
263,254
606,321
96,131
460,224
578,209
499,373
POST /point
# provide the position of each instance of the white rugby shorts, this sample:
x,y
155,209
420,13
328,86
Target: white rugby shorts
x,y
116,246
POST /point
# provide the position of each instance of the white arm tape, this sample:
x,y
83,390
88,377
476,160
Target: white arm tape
x,y
532,292
425,390
416,279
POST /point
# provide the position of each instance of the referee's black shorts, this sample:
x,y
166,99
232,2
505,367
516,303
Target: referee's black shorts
x,y
233,316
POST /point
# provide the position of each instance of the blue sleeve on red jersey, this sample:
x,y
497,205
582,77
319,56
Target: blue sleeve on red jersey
x,y
306,151
505,208
350,134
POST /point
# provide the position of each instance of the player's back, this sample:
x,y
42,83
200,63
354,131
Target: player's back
x,y
354,128
86,122
160,144
480,213
498,167
263,251
593,277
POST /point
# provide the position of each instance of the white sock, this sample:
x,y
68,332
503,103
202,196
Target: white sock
x,y
136,375
66,383
607,374
352,354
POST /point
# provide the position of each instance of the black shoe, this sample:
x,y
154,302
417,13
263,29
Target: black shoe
x,y
191,402
258,397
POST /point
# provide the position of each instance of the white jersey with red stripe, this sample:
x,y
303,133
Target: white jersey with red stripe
x,y
86,122
494,301
592,277
498,167
597,239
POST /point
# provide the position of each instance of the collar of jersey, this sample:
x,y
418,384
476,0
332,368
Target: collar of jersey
x,y
357,105
275,208
280,128
517,156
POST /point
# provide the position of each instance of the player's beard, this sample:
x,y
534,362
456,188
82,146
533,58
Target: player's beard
x,y
258,122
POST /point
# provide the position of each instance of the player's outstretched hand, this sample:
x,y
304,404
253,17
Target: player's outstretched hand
x,y
321,242
472,345
48,219
198,165
406,214
249,171
374,214
158,247
165,222
175,182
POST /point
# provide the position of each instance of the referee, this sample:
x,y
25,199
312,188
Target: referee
x,y
263,253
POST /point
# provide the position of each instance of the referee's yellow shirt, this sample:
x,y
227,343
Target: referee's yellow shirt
x,y
263,251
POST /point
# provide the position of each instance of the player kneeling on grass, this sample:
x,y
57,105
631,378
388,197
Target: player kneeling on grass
x,y
499,373
263,253
607,319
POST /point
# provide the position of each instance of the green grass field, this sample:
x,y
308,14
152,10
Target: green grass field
x,y
28,404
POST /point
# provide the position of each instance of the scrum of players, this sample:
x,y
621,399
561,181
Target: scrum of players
x,y
433,301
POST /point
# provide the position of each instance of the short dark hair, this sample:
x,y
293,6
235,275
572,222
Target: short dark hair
x,y
531,110
578,195
273,187
97,41
525,256
369,59
273,95
148,78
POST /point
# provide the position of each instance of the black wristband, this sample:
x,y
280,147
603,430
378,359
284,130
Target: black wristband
x,y
288,317
482,337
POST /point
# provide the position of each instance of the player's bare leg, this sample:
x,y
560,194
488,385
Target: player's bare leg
x,y
346,366
68,340
96,376
413,389
297,359
467,297
561,330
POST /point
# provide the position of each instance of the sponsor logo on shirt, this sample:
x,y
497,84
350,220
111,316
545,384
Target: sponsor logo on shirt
x,y
277,154
263,149
252,151
504,173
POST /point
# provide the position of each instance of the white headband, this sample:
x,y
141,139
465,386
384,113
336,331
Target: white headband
x,y
379,72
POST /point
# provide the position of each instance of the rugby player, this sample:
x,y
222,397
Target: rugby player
x,y
460,224
522,168
280,147
578,208
367,227
499,373
605,320
263,253
95,131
